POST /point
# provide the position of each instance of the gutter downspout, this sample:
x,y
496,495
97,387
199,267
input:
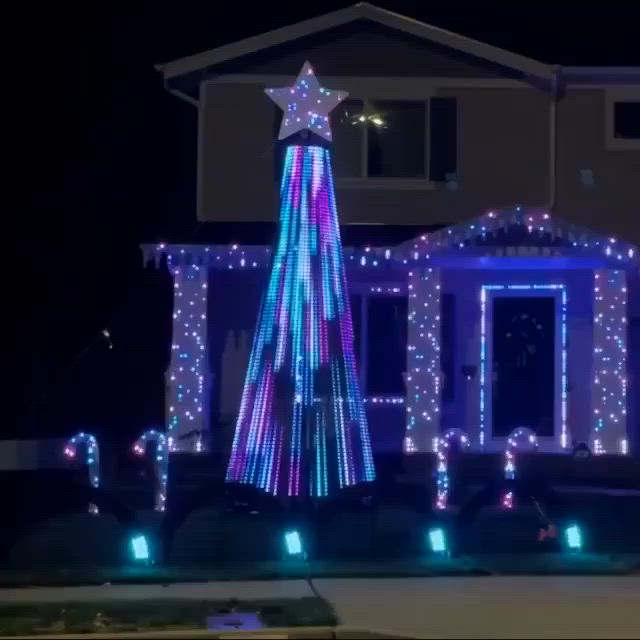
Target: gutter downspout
x,y
553,139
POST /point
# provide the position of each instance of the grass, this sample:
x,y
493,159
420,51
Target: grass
x,y
155,615
424,566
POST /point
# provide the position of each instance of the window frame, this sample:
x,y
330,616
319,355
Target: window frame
x,y
613,96
381,182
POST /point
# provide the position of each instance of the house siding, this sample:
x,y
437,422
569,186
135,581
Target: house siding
x,y
236,150
366,49
503,151
612,204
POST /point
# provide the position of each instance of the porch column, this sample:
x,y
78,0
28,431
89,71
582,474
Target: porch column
x,y
423,361
187,379
609,392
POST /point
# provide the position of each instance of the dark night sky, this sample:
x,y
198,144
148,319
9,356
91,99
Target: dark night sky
x,y
102,158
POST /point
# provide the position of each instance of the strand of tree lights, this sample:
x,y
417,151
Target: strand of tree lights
x,y
442,456
303,350
608,434
423,359
520,439
188,367
485,293
161,463
91,459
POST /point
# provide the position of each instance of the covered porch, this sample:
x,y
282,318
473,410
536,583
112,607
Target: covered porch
x,y
427,317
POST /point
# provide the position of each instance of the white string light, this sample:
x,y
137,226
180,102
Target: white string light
x,y
442,456
161,463
187,375
520,439
92,459
423,360
609,395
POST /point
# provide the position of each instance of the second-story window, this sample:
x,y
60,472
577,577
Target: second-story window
x,y
380,139
626,120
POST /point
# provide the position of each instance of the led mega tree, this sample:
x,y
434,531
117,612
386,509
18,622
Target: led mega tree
x,y
301,428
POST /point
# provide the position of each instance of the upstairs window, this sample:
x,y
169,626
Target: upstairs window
x,y
626,120
395,139
622,126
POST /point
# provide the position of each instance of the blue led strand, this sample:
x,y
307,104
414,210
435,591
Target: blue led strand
x,y
304,328
487,289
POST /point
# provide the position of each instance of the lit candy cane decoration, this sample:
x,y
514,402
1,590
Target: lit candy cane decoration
x,y
521,439
92,452
161,462
442,453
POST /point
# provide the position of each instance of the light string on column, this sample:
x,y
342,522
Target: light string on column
x,y
609,429
423,360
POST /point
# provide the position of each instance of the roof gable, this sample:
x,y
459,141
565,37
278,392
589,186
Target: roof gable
x,y
521,227
360,11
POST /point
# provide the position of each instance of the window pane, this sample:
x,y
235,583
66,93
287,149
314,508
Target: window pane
x,y
386,345
397,147
348,135
627,120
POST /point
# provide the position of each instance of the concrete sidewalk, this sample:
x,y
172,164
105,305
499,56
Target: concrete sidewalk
x,y
476,607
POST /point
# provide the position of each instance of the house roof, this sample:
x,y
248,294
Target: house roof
x,y
359,11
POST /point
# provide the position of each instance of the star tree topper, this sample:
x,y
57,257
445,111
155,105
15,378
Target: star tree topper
x,y
306,105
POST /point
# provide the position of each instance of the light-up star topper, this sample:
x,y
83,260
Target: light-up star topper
x,y
306,105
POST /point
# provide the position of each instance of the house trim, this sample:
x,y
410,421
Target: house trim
x,y
395,184
392,85
360,11
560,438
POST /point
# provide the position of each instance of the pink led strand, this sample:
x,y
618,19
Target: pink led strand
x,y
92,460
161,463
520,439
303,322
442,455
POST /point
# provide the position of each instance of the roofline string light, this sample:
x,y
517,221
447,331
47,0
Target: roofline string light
x,y
442,471
537,223
485,294
460,236
161,463
609,395
92,459
520,439
423,360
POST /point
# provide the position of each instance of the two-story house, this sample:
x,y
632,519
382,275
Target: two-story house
x,y
437,131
